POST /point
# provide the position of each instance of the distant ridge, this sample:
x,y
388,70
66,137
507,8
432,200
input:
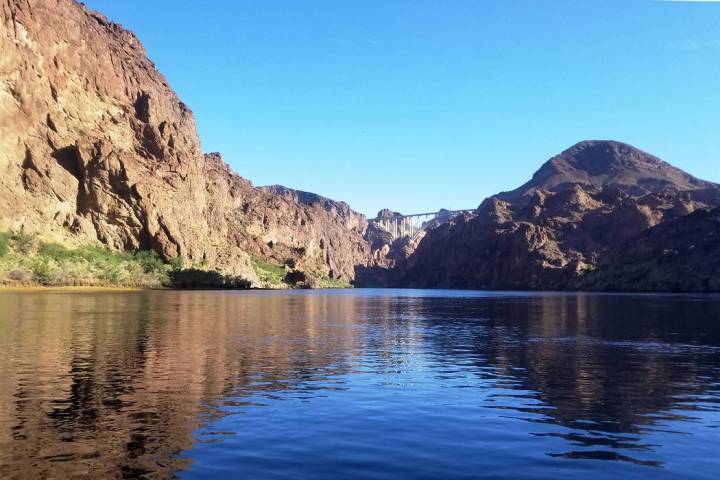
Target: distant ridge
x,y
574,217
607,162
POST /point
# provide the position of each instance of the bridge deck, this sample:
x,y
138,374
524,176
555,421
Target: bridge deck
x,y
400,217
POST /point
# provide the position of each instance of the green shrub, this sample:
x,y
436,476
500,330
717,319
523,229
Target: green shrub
x,y
177,263
151,262
4,244
55,251
327,282
22,242
41,271
268,272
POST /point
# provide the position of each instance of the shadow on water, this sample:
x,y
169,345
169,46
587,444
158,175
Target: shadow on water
x,y
156,383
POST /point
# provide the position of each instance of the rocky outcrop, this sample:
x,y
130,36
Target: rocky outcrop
x,y
681,255
387,213
580,209
322,237
96,147
94,142
386,248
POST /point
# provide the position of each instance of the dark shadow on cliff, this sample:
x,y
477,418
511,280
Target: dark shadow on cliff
x,y
196,278
371,277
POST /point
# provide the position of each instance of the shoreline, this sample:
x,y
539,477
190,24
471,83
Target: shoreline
x,y
4,288
121,288
73,288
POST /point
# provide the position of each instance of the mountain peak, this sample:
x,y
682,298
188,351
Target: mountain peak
x,y
606,162
598,157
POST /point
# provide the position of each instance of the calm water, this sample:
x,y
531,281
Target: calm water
x,y
359,384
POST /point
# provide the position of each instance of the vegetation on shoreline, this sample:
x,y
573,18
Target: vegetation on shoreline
x,y
268,273
281,276
26,260
327,282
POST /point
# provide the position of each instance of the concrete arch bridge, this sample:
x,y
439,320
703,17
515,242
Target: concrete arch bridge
x,y
414,224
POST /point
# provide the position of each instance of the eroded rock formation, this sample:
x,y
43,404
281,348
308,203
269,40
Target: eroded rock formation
x,y
96,147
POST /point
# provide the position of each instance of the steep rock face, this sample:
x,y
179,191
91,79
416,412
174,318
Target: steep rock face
x,y
315,234
681,255
95,146
93,140
579,209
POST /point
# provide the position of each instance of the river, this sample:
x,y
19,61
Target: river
x,y
358,383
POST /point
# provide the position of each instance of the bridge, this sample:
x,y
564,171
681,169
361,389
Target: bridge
x,y
412,225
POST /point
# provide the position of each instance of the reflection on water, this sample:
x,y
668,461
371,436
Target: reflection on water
x,y
372,384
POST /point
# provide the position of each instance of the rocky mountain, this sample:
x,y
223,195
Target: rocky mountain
x,y
601,163
572,218
96,147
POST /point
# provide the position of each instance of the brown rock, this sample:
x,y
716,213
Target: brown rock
x,y
578,211
96,147
681,255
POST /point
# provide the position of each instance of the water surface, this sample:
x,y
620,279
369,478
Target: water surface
x,y
358,384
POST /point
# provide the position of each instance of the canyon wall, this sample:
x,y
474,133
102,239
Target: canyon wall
x,y
95,146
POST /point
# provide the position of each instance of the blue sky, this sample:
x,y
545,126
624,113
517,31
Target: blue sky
x,y
416,105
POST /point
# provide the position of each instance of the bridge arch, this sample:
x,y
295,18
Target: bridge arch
x,y
412,225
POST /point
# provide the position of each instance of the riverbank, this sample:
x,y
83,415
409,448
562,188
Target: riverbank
x,y
28,261
67,288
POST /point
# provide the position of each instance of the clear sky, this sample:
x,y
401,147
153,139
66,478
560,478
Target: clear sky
x,y
416,105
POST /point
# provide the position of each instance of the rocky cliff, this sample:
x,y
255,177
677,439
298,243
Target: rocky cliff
x,y
573,218
96,147
681,255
